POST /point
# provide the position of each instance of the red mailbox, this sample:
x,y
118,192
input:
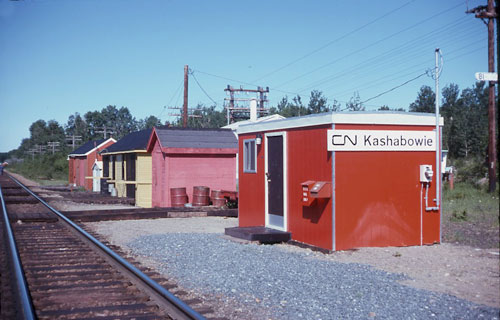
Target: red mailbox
x,y
312,190
321,189
307,200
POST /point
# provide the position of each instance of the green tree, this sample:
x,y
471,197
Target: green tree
x,y
453,119
118,120
205,117
354,103
42,132
77,126
465,114
386,108
317,102
294,108
148,123
425,101
125,123
95,122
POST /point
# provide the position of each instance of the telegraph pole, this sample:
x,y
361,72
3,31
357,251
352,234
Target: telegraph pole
x,y
73,140
241,112
54,145
105,130
488,12
185,106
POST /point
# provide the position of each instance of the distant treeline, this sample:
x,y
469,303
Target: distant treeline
x,y
465,132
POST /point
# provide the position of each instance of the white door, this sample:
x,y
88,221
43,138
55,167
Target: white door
x,y
96,174
276,180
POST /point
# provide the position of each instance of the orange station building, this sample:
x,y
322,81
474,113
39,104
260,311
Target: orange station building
x,y
339,181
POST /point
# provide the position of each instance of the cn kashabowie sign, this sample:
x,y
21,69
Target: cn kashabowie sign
x,y
381,140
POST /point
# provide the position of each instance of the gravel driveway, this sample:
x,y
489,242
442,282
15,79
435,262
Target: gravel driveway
x,y
251,281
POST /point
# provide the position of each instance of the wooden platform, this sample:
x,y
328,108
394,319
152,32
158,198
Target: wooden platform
x,y
260,234
147,213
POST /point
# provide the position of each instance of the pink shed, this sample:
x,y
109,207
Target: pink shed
x,y
191,157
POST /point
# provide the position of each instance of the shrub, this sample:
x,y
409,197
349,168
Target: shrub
x,y
470,170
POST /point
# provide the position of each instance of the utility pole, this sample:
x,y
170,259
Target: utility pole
x,y
105,130
185,114
185,106
242,112
73,140
489,12
54,145
438,134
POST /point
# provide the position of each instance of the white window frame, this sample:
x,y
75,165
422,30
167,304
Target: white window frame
x,y
247,155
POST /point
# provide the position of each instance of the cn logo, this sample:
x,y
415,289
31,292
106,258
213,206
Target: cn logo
x,y
341,140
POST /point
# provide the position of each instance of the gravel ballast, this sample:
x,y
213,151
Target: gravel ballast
x,y
251,281
262,281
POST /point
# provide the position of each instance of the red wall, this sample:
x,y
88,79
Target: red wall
x,y
308,159
377,194
81,167
71,171
159,182
305,146
378,197
81,171
216,171
91,159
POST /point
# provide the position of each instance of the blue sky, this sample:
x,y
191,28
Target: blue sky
x,y
61,57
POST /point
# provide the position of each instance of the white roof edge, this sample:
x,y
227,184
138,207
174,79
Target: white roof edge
x,y
382,118
100,145
295,122
272,117
91,150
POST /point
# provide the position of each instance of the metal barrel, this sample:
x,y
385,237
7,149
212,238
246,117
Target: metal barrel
x,y
218,199
178,197
201,196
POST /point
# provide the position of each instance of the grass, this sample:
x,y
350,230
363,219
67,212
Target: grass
x,y
52,182
471,216
468,203
57,180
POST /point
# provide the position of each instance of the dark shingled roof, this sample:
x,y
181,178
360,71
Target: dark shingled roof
x,y
86,147
196,138
133,141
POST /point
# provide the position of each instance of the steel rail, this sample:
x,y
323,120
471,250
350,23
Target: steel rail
x,y
25,302
186,312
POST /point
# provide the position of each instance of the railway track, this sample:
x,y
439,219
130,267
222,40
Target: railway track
x,y
63,272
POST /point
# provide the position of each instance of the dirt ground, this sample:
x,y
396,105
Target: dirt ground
x,y
462,271
23,180
465,271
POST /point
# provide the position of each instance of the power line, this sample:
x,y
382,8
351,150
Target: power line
x,y
333,41
378,82
333,97
427,72
243,82
370,45
394,88
199,85
374,83
391,56
176,91
172,98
